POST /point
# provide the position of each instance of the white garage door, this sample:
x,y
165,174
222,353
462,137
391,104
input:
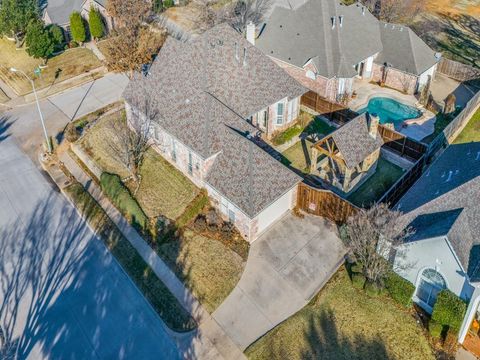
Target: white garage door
x,y
274,211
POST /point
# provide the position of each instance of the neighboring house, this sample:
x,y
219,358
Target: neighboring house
x,y
213,95
58,12
349,155
443,209
325,45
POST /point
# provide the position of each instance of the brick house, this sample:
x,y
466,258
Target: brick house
x,y
325,45
215,95
58,12
347,157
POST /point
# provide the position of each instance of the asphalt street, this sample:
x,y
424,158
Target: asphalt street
x,y
62,294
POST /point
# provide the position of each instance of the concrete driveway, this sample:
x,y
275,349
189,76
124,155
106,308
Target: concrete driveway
x,y
62,295
286,267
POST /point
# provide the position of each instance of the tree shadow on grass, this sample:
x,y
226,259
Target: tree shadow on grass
x,y
325,341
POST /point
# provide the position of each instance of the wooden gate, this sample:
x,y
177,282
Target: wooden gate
x,y
324,203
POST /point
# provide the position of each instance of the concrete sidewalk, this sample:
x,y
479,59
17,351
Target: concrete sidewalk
x,y
208,341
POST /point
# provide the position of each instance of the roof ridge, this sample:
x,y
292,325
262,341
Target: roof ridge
x,y
411,47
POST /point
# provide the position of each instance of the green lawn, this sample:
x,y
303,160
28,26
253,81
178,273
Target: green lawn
x,y
320,127
343,323
161,299
298,156
209,268
372,190
61,67
471,132
163,189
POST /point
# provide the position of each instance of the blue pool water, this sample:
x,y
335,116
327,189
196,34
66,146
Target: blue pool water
x,y
390,110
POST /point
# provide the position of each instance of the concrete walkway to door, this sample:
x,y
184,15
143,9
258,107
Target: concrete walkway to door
x,y
286,267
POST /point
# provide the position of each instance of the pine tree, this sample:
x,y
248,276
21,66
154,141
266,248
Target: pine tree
x,y
77,27
95,23
40,42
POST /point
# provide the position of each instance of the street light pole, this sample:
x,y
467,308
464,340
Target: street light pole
x,y
42,120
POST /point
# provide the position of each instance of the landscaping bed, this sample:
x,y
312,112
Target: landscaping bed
x,y
64,66
343,322
376,185
161,299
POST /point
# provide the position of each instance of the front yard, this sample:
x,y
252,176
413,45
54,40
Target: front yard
x,y
208,266
163,189
61,67
372,189
342,322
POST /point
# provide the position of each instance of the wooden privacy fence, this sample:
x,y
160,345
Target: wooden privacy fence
x,y
457,70
335,112
452,130
324,203
401,144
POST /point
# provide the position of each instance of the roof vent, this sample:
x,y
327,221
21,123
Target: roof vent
x,y
333,22
340,20
245,57
363,10
236,52
248,135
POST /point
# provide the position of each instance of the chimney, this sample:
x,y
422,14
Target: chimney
x,y
340,20
333,22
373,121
244,57
236,52
251,33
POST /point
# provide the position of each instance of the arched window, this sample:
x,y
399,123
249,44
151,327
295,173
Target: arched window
x,y
431,283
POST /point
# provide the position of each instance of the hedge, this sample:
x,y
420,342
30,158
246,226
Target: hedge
x,y
358,281
449,310
120,196
399,289
435,329
193,209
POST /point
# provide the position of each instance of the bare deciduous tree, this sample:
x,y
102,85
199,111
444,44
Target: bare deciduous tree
x,y
450,103
372,236
131,136
129,13
240,13
129,48
406,81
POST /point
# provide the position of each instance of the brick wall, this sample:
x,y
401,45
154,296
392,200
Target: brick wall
x,y
396,79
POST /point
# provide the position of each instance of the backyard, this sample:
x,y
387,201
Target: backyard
x,y
61,67
298,156
372,189
208,266
342,322
471,132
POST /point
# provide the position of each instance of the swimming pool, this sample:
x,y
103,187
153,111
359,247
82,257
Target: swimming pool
x,y
390,110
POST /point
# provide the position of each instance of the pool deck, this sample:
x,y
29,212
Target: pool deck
x,y
417,129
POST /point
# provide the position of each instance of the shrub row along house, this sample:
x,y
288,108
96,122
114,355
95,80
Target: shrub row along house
x,y
214,95
325,45
58,12
444,251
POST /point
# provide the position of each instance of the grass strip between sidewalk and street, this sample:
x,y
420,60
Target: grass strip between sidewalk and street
x,y
159,296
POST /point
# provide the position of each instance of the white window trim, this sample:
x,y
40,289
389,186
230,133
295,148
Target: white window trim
x,y
280,118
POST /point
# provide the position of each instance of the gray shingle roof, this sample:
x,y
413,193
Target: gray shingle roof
x,y
304,32
355,142
445,202
404,50
203,96
59,11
